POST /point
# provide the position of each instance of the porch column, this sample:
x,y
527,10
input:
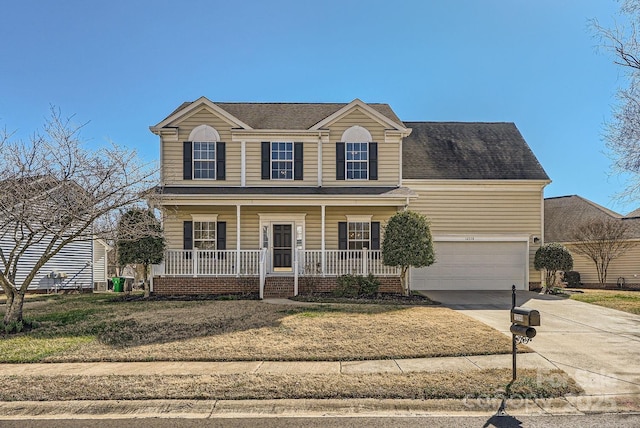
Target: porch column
x,y
322,244
238,240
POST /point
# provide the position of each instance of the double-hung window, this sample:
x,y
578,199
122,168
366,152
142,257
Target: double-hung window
x,y
204,160
204,235
357,161
359,235
281,161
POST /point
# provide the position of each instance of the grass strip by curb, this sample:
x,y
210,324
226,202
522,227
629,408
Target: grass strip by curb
x,y
481,383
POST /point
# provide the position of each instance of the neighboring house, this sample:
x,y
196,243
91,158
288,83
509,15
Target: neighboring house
x,y
279,197
79,265
563,215
100,264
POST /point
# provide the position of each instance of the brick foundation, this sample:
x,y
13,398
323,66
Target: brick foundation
x,y
275,286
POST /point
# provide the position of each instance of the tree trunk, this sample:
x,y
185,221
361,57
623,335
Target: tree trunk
x,y
147,292
14,308
403,281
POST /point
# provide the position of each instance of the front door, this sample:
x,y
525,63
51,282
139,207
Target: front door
x,y
282,247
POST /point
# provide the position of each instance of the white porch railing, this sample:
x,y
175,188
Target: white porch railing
x,y
209,263
253,263
343,262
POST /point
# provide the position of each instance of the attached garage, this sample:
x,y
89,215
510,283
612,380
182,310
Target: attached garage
x,y
475,264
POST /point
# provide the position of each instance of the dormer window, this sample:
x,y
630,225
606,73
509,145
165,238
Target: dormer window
x,y
356,155
204,155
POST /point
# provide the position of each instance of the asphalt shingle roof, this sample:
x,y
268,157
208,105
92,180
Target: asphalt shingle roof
x,y
468,150
564,214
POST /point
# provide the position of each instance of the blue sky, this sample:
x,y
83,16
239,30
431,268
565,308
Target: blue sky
x,y
123,65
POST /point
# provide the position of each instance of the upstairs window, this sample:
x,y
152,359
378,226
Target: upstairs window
x,y
203,155
281,161
356,155
357,158
204,160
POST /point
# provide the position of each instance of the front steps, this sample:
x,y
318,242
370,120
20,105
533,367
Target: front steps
x,y
278,287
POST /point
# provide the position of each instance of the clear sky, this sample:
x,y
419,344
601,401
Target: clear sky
x,y
123,65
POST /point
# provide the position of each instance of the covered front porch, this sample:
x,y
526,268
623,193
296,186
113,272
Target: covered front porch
x,y
242,239
241,268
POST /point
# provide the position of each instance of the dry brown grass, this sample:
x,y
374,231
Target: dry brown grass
x,y
253,330
97,328
468,384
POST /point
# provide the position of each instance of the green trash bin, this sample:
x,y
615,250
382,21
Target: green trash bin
x,y
118,284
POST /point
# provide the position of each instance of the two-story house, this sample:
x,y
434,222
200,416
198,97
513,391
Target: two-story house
x,y
261,196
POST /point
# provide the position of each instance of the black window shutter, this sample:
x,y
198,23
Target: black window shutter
x,y
221,235
298,162
188,235
266,160
373,161
342,235
375,235
220,161
340,161
187,174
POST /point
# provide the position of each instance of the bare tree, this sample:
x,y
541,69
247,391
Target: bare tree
x,y
622,132
602,241
54,190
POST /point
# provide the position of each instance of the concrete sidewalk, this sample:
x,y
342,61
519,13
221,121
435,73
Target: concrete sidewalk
x,y
531,360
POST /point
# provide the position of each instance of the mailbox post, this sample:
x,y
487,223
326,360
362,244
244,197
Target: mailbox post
x,y
523,321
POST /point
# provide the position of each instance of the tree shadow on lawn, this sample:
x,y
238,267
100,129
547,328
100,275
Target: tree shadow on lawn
x,y
122,324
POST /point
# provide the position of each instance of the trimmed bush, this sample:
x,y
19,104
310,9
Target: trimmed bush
x,y
572,278
353,286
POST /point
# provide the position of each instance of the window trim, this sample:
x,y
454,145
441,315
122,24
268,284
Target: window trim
x,y
288,161
204,218
347,161
364,219
211,161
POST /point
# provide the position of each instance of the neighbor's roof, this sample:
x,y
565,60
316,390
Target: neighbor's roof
x,y
287,115
468,150
564,214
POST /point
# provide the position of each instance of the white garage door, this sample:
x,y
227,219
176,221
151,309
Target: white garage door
x,y
473,265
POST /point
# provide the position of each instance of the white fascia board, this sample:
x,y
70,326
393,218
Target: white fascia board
x,y
282,200
259,135
464,185
382,119
202,101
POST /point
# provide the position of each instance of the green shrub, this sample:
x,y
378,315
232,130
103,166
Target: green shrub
x,y
353,286
572,278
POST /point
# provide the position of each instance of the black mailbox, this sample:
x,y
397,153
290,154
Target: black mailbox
x,y
524,331
525,317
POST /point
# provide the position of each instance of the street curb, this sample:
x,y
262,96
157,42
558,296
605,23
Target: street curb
x,y
204,409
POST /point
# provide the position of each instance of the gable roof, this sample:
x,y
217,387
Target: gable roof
x,y
564,214
295,116
470,151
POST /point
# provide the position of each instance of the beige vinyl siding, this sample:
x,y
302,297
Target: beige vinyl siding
x,y
482,209
625,266
174,219
388,152
254,164
172,151
250,234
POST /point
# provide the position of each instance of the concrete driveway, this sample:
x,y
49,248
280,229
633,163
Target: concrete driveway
x,y
598,347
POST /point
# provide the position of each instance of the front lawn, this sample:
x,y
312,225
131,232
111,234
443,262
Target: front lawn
x,y
100,328
628,301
